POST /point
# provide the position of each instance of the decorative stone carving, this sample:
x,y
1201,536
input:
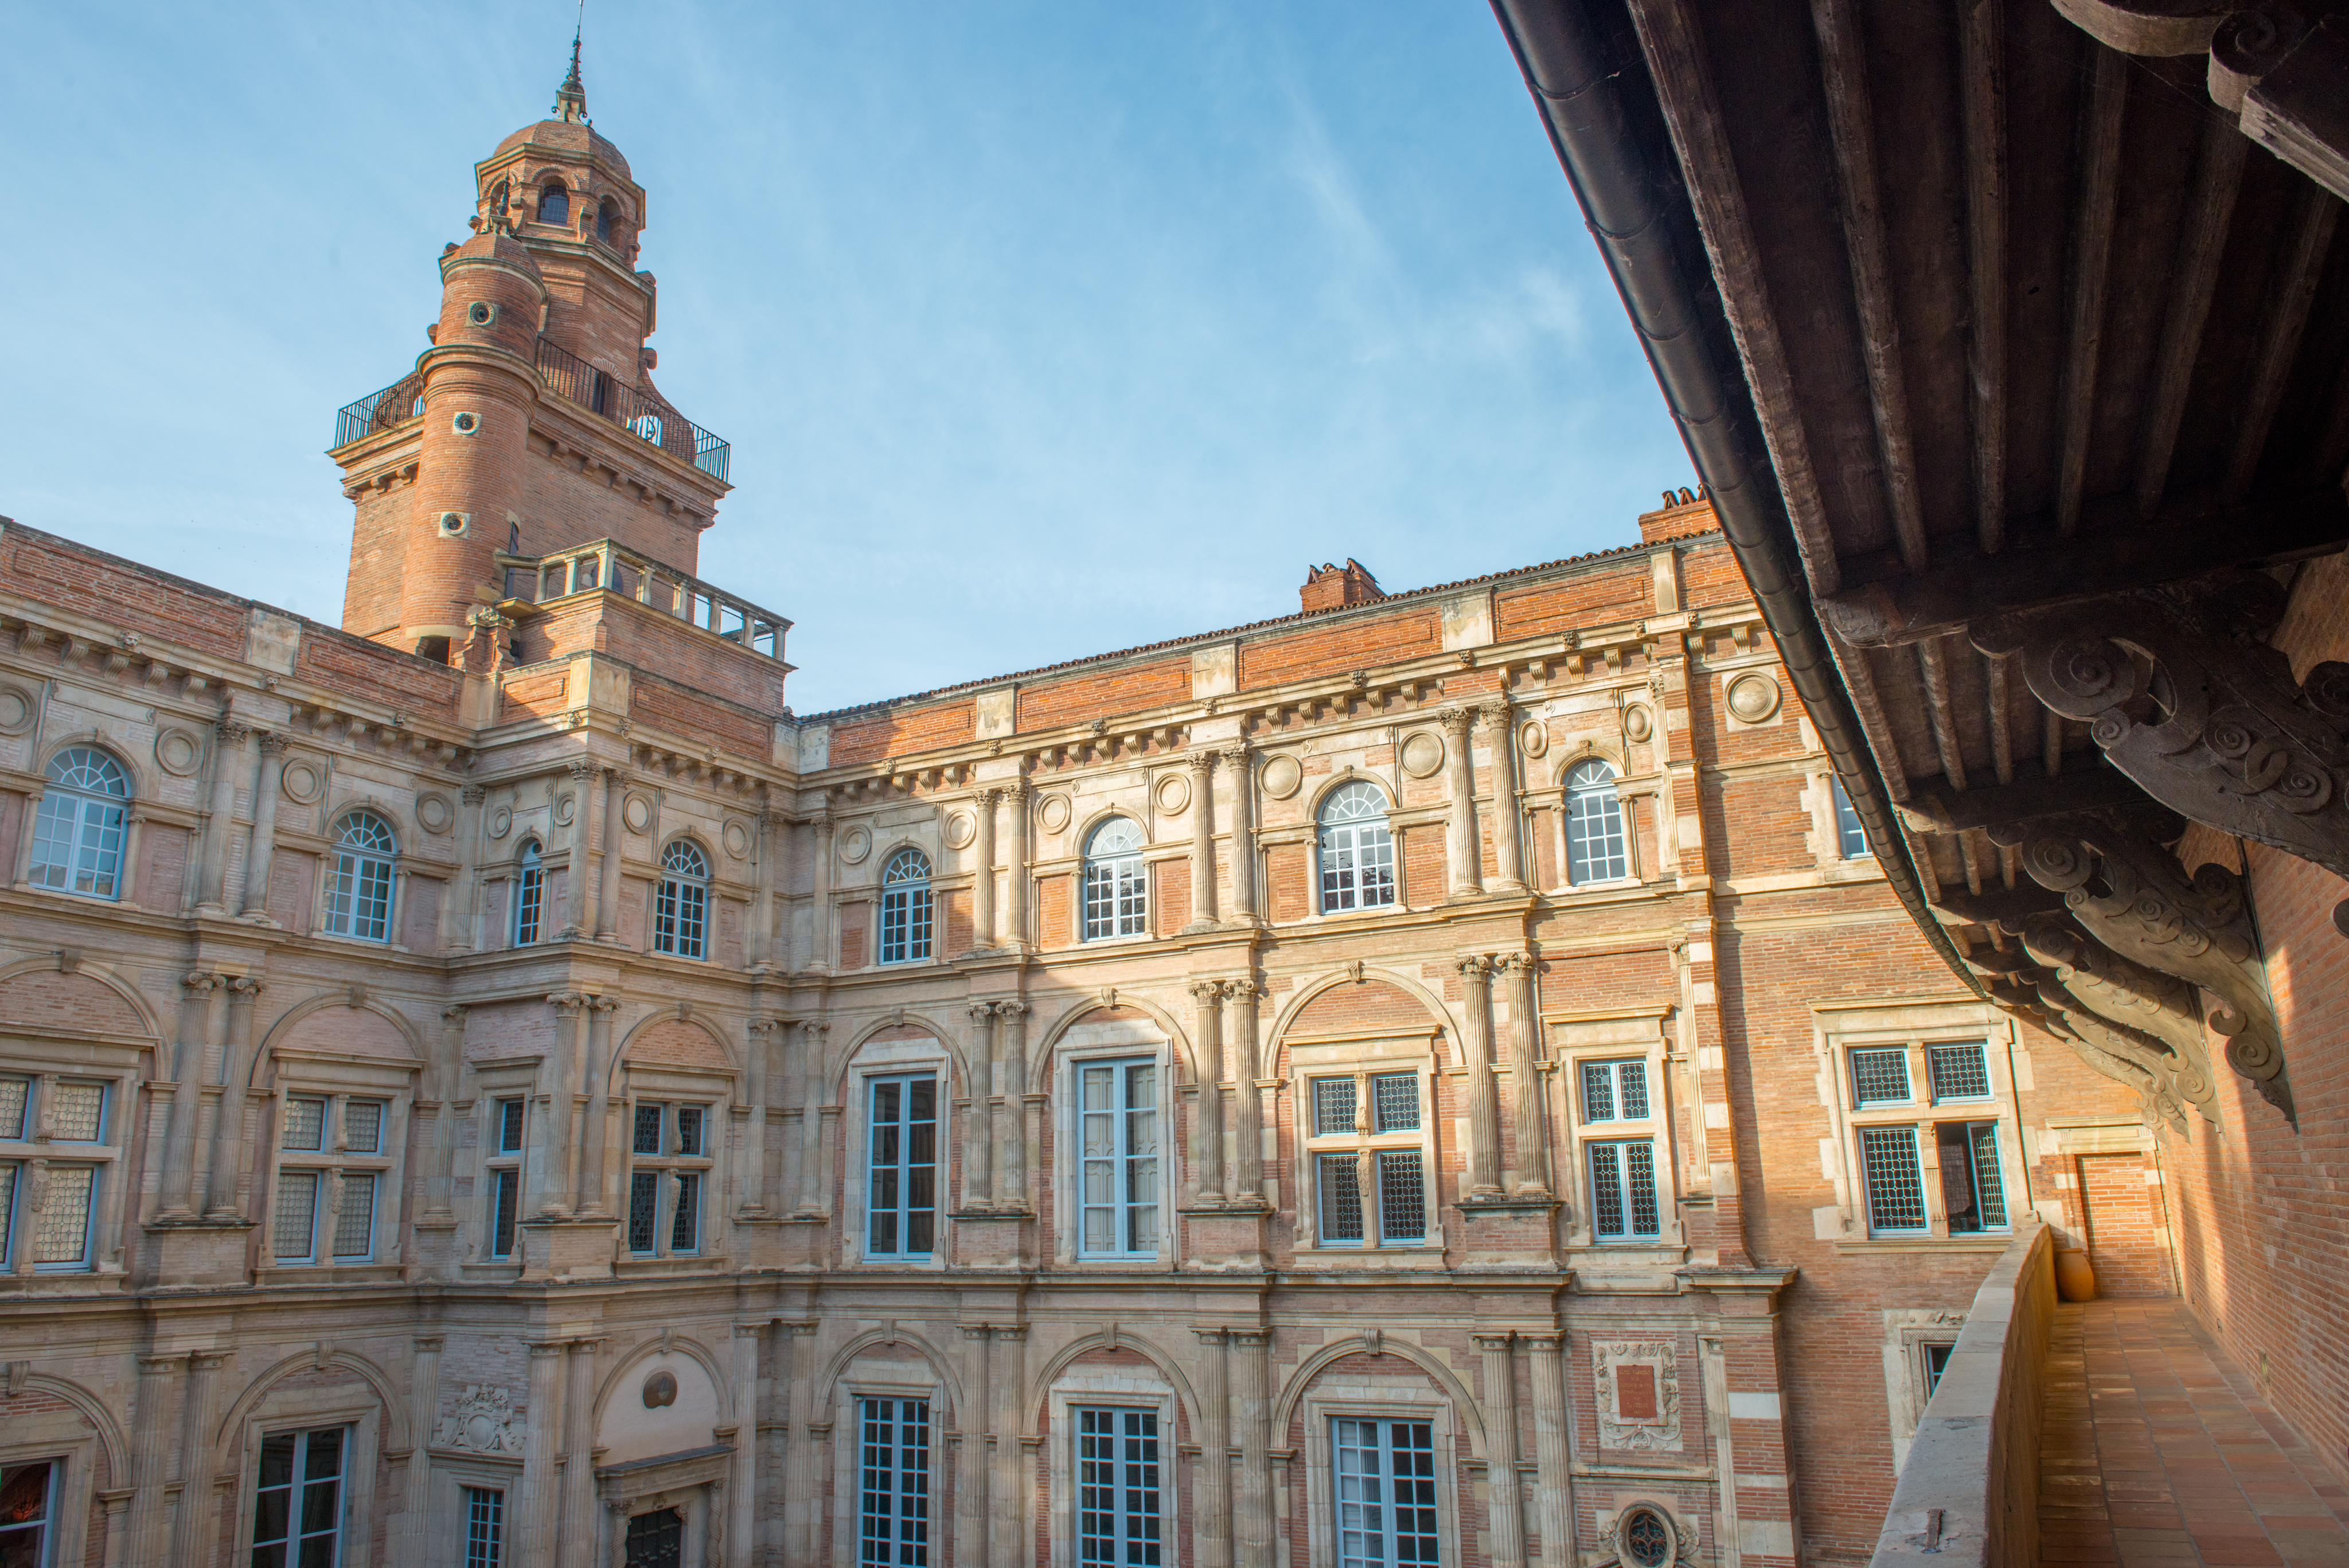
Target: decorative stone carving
x,y
1282,774
2152,1013
855,844
1053,811
2131,894
736,838
481,1423
19,707
1423,753
1638,723
1638,1393
1754,698
1173,792
434,813
500,821
1532,739
177,751
2208,721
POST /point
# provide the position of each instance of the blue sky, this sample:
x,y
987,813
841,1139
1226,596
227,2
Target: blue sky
x,y
1039,329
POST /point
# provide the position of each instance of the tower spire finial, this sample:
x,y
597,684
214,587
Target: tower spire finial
x,y
571,97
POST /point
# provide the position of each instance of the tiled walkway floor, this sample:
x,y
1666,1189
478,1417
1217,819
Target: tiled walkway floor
x,y
2159,1451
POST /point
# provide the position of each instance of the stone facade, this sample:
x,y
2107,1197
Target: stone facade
x,y
505,1051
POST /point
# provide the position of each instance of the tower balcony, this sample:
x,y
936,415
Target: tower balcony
x,y
532,584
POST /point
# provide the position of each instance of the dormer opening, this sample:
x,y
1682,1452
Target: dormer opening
x,y
555,205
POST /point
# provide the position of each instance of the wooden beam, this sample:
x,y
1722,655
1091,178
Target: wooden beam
x,y
2092,245
1843,62
1982,39
2312,218
1932,662
2002,721
1930,808
2187,539
2218,174
2002,906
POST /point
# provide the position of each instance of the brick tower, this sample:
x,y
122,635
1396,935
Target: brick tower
x,y
530,424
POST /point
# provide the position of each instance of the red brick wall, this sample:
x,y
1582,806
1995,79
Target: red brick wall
x,y
1127,689
1358,642
2122,1227
1625,593
895,734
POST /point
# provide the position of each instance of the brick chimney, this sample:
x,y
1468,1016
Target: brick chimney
x,y
1335,587
1681,513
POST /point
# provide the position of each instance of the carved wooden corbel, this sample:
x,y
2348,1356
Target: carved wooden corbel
x,y
2181,697
2131,894
2154,1015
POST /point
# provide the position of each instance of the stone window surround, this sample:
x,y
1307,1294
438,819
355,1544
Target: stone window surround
x,y
335,1076
884,1059
1842,1028
1617,1037
305,1409
715,1090
848,1440
454,1469
116,1064
1383,1398
1124,1041
692,1482
1906,1333
1363,1055
70,1489
1101,1387
1824,842
505,1078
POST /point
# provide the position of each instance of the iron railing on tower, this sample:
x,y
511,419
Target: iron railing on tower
x,y
395,405
648,418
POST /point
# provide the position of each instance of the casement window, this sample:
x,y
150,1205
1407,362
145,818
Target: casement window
x,y
1972,1195
1623,1205
1933,1359
1615,1091
503,1168
893,1492
1355,849
1620,1127
1370,1158
28,1505
906,908
1895,1179
1118,1134
1960,1071
1920,1174
655,1538
669,1167
530,896
486,1527
1384,1472
297,1508
359,879
55,1150
681,907
1851,838
1120,1521
1597,849
1117,883
901,1155
77,835
1880,1076
555,203
331,1168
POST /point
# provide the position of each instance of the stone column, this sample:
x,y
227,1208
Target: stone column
x,y
154,1426
971,1460
1006,1491
225,1178
1211,1480
741,1545
574,878
763,945
1476,1056
594,1098
1532,1178
1463,855
552,1127
1202,840
463,904
982,868
1553,1450
267,784
608,885
1018,801
539,1510
1207,1183
1014,1180
1252,1499
759,1038
577,1527
615,1527
812,1034
1241,778
447,1077
416,1480
978,1133
197,988
201,1079
819,897
1508,844
803,1505
196,1526
228,766
1244,1182
1504,1491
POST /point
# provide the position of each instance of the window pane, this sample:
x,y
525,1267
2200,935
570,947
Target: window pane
x,y
297,1211
894,1493
26,1507
1395,1101
1360,1494
1595,846
893,925
1597,1092
903,1159
1631,1079
486,1527
510,1113
685,1230
305,1124
1958,1072
1341,1198
1411,1467
1141,1195
1607,1191
643,1209
1987,1183
8,1215
61,1230
363,1126
1851,838
354,1224
1333,1106
506,1200
646,1138
1639,1177
526,904
79,1110
14,1094
1881,1077
1403,1197
1896,1187
690,1123
1118,1508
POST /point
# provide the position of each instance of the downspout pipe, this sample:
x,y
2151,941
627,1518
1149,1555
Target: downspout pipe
x,y
1562,49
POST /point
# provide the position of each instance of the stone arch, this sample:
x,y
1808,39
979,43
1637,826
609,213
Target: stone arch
x,y
283,1031
1587,748
848,1353
87,1405
688,1036
1463,1408
660,1345
1437,1014
1039,1389
1048,1040
1338,780
879,858
141,786
836,1073
112,987
405,833
397,1435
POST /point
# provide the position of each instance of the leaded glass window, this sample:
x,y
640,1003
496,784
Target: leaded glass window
x,y
1341,1198
294,1226
906,908
530,894
1394,1102
1896,1183
1958,1072
1116,894
77,835
681,907
1615,1091
1880,1076
1972,1195
359,879
1596,847
1402,1196
1356,849
670,1164
1623,1206
1333,1106
355,1219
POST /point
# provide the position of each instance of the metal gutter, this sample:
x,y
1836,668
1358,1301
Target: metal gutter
x,y
1578,85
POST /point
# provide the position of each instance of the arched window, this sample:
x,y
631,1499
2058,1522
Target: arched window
x,y
906,908
681,912
1595,848
498,202
358,885
605,213
1357,851
530,896
1117,896
78,838
555,203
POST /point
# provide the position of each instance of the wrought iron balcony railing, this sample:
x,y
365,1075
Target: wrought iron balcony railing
x,y
613,568
397,404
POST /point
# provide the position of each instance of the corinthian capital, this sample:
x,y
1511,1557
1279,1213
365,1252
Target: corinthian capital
x,y
1476,968
1456,720
1200,762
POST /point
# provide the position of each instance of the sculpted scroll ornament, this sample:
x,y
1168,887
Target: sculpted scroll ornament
x,y
482,1422
2130,895
2182,698
1639,1386
2127,1010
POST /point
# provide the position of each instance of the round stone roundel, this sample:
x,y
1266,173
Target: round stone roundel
x,y
1282,774
1422,754
1753,697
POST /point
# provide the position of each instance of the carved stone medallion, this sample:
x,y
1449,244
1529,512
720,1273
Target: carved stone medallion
x,y
1638,1393
482,1422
